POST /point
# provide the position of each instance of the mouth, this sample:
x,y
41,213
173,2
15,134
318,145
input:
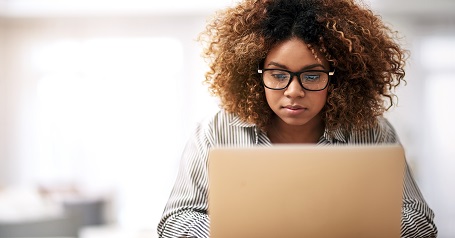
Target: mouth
x,y
294,107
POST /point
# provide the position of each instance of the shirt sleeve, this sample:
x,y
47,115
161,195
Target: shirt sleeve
x,y
185,214
417,217
417,220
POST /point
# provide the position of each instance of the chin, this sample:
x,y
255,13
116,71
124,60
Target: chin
x,y
296,122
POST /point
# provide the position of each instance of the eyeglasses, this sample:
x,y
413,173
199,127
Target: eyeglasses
x,y
311,80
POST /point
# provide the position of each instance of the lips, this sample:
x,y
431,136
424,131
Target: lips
x,y
294,107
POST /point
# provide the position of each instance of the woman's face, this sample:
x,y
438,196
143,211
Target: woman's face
x,y
295,105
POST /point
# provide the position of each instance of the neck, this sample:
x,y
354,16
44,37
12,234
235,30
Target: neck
x,y
280,132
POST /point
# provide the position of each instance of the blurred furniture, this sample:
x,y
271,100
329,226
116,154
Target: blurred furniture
x,y
76,215
65,225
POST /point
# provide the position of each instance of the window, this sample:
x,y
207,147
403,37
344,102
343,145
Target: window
x,y
439,69
110,112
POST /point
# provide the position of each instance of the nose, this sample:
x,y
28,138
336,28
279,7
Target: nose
x,y
294,89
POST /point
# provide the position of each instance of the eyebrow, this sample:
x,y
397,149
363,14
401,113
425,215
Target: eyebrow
x,y
311,66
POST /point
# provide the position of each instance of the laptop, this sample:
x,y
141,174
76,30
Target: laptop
x,y
351,191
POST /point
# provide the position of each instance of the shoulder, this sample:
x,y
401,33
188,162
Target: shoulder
x,y
223,127
385,131
382,132
223,119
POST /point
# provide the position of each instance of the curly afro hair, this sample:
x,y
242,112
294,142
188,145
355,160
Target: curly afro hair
x,y
365,52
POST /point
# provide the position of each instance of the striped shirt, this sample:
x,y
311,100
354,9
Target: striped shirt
x,y
185,214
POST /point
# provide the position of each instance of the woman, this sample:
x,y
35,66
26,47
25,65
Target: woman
x,y
294,71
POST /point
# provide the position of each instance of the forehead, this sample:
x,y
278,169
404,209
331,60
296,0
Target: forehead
x,y
295,53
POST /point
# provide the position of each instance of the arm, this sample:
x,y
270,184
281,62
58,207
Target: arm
x,y
417,217
185,214
185,224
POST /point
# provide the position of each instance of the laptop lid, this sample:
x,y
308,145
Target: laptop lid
x,y
306,191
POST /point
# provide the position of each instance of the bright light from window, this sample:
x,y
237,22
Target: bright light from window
x,y
438,52
109,111
438,127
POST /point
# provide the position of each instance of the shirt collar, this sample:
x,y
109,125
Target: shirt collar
x,y
337,135
236,121
259,136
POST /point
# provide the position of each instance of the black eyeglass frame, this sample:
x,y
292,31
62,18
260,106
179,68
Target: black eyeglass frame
x,y
297,74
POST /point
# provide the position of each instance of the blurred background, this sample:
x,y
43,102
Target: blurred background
x,y
97,99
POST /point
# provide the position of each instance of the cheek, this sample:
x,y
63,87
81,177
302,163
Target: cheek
x,y
322,97
272,96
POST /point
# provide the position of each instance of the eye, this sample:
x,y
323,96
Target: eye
x,y
311,77
279,75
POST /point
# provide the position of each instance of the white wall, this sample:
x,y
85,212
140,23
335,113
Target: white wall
x,y
3,112
143,172
424,117
436,42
